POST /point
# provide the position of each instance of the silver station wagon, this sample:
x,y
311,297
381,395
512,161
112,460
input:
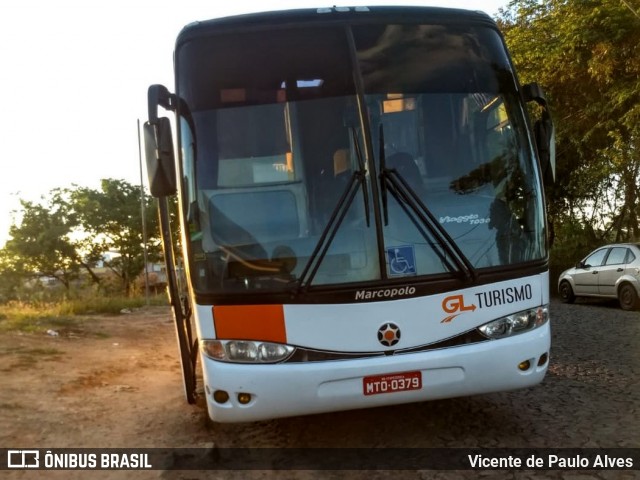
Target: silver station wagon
x,y
612,271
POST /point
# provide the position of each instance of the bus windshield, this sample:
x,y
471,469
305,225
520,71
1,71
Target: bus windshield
x,y
395,151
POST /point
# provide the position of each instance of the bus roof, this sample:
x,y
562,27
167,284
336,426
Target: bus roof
x,y
329,15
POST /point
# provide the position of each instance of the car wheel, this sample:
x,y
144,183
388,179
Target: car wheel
x,y
628,297
566,292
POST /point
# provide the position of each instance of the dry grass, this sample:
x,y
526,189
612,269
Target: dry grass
x,y
39,317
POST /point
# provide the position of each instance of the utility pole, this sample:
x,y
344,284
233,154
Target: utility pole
x,y
144,223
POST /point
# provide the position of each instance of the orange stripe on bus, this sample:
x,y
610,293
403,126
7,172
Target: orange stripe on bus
x,y
250,322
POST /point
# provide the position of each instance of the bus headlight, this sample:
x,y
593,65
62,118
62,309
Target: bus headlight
x,y
246,351
516,323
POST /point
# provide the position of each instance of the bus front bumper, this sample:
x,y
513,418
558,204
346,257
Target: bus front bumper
x,y
260,392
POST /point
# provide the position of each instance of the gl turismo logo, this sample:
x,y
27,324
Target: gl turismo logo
x,y
455,305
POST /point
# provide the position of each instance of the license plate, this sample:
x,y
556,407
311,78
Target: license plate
x,y
392,382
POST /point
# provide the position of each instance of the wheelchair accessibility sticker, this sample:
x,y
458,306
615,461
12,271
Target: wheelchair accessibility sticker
x,y
402,260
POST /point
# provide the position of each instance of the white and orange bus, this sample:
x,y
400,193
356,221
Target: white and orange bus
x,y
361,205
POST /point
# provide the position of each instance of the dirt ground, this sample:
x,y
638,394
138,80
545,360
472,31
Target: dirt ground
x,y
108,382
115,382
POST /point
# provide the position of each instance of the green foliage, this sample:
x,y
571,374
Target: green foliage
x,y
586,53
72,231
42,243
112,216
11,276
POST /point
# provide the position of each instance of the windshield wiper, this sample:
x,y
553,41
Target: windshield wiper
x,y
383,183
357,181
391,180
362,173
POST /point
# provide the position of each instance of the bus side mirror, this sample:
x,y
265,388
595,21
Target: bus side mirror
x,y
161,170
158,141
544,132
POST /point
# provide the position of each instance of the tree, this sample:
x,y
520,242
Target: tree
x,y
41,244
12,276
586,53
112,216
71,230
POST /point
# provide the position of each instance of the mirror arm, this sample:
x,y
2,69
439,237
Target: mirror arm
x,y
158,95
534,93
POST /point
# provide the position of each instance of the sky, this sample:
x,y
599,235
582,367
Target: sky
x,y
74,82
